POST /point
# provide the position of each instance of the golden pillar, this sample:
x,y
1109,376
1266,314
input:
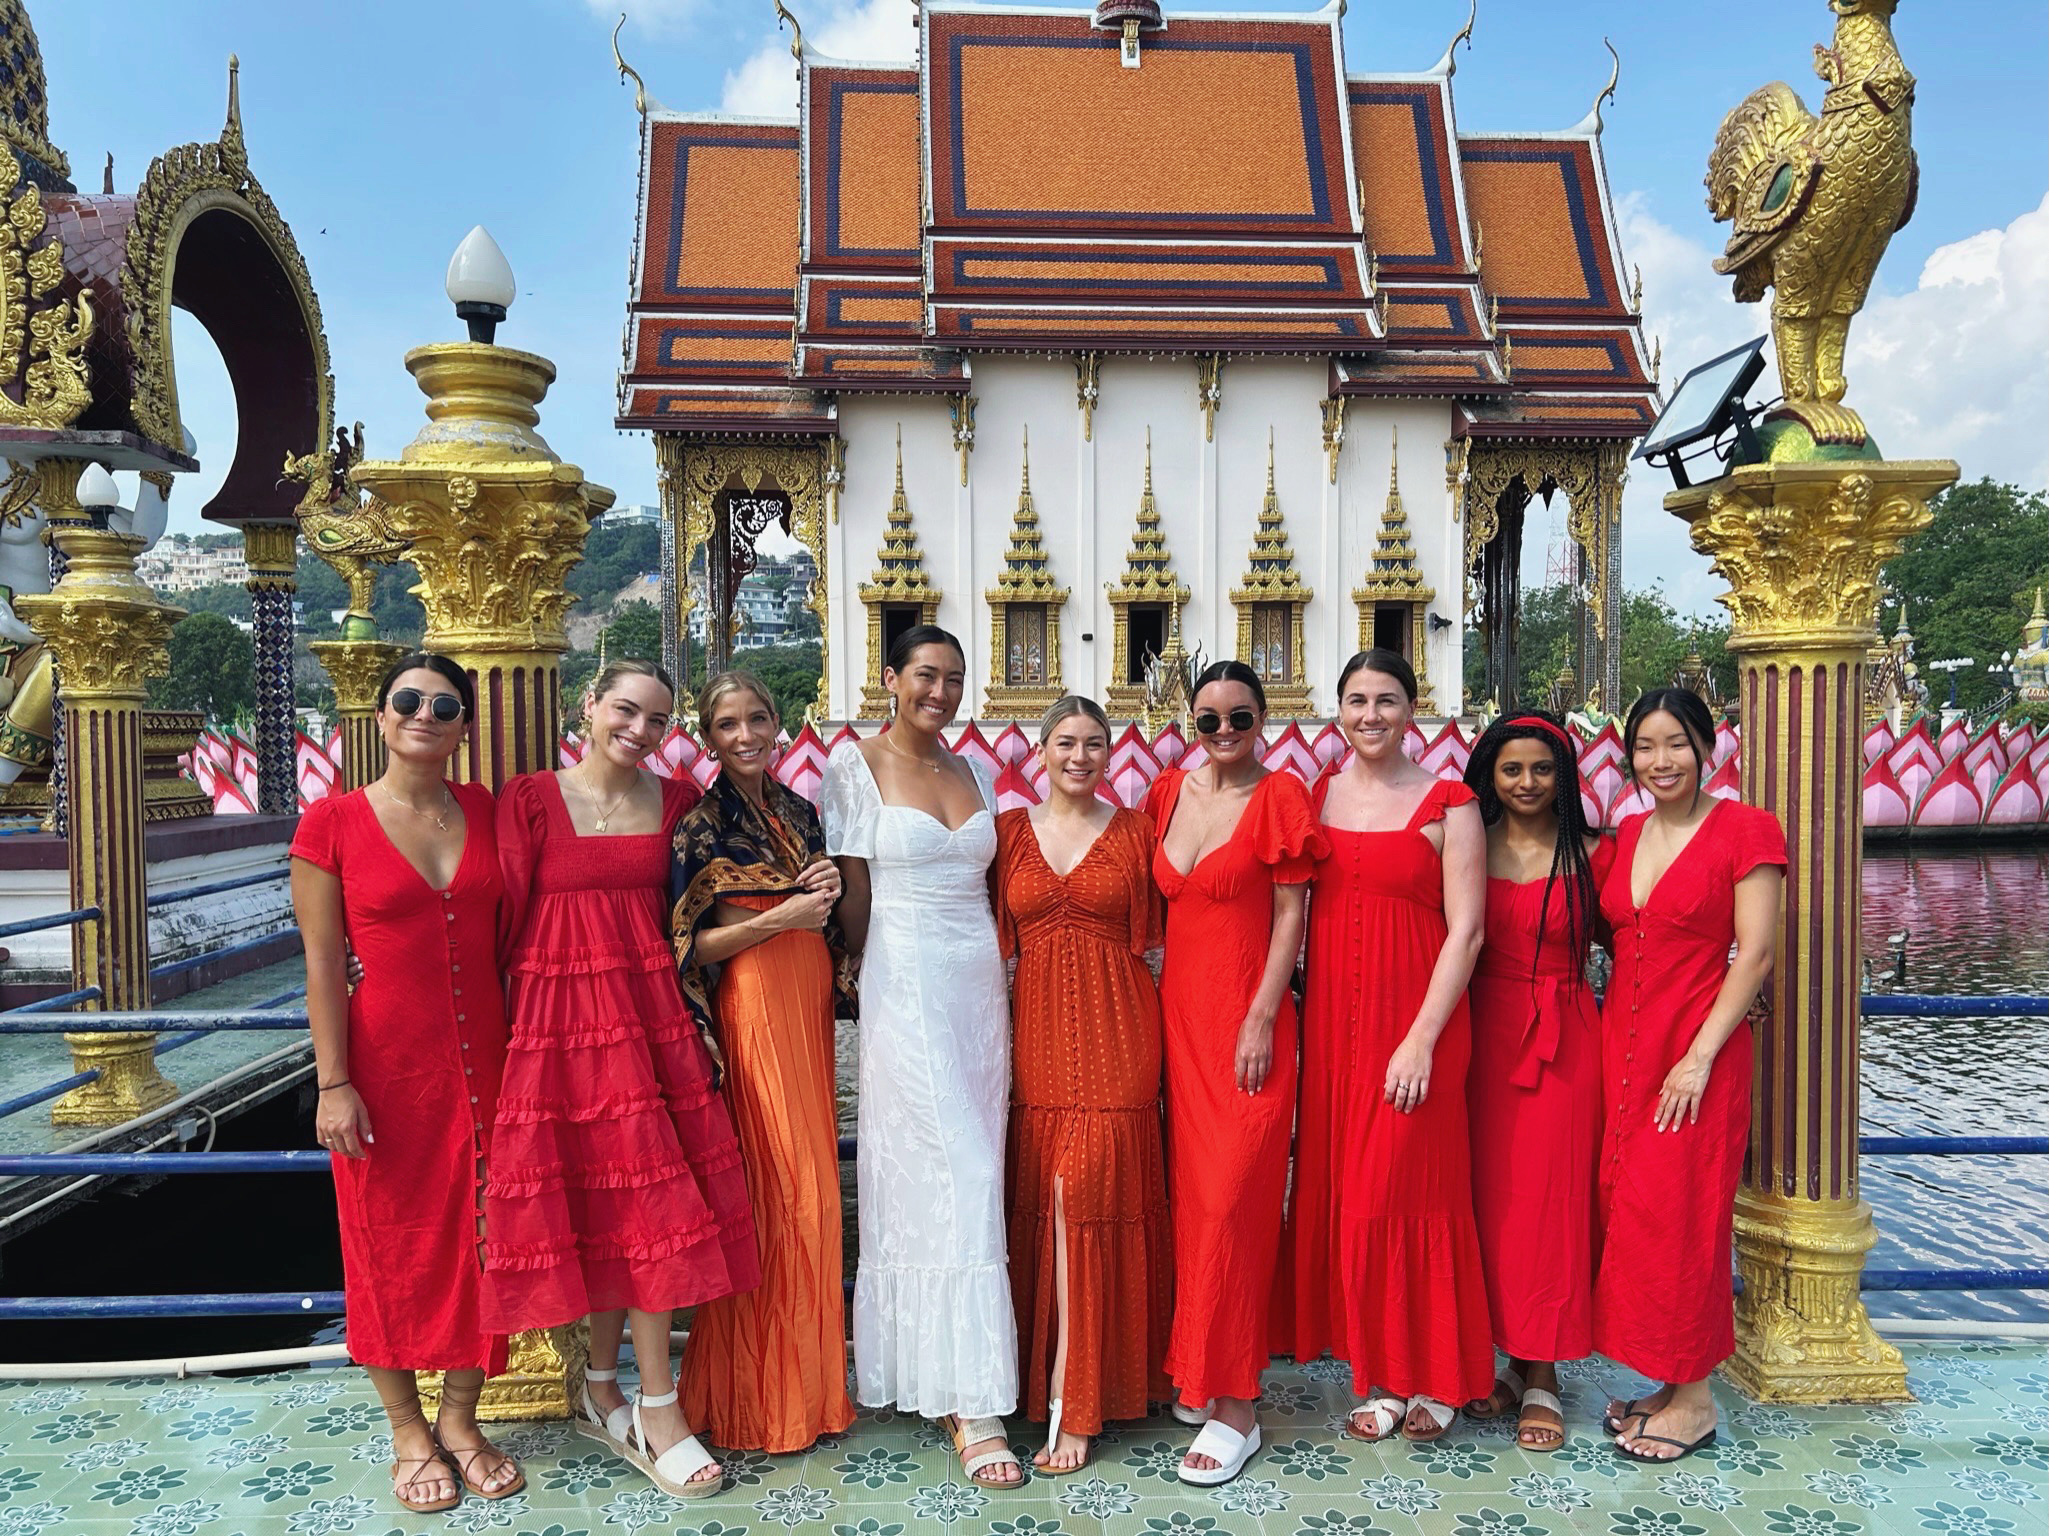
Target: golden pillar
x,y
493,521
356,667
1801,544
107,631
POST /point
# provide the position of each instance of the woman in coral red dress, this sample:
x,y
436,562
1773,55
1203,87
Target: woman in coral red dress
x,y
405,873
1534,1092
1091,1256
1385,1253
1692,876
616,1190
1236,845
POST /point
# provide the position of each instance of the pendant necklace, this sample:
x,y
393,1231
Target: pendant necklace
x,y
888,745
605,812
437,817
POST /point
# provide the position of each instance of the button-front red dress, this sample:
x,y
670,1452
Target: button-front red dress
x,y
1534,1098
1662,1296
617,1178
426,1046
1384,1255
1227,1151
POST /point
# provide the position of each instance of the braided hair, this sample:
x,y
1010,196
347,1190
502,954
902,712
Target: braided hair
x,y
1571,873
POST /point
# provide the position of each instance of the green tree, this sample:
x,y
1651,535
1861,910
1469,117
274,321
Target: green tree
x,y
635,630
213,669
1969,581
612,557
229,599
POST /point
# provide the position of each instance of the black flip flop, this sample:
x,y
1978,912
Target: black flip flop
x,y
1685,1450
1611,1423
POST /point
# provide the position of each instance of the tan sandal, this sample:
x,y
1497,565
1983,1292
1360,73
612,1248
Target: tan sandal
x,y
436,1506
1500,1402
1535,1401
460,1462
967,1432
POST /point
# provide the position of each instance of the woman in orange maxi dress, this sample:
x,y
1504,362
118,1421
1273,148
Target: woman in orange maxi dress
x,y
1385,1253
1091,1258
766,1369
1236,846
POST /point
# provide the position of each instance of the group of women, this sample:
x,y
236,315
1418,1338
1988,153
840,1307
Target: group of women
x,y
1082,1075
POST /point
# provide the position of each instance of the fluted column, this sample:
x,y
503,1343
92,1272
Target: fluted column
x,y
356,667
108,633
1801,545
271,551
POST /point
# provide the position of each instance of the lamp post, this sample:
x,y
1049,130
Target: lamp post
x,y
1952,665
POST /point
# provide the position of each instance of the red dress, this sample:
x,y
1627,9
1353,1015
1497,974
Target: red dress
x,y
1534,1098
1662,1296
617,1179
426,1044
1227,1151
1385,1257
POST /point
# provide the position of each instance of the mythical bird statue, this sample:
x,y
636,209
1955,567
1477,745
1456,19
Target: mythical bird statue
x,y
351,531
1814,201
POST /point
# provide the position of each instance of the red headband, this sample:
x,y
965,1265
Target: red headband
x,y
1542,724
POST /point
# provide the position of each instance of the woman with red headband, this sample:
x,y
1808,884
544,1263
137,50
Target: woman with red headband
x,y
1386,1261
1533,1095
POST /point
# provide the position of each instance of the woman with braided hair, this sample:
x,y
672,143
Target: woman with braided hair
x,y
1533,1094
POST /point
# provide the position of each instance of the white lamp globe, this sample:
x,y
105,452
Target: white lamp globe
x,y
96,488
478,272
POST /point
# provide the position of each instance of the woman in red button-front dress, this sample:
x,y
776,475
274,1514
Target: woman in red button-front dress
x,y
1533,1095
1235,848
405,872
616,1190
1692,876
1385,1256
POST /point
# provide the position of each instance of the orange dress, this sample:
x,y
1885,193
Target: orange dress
x,y
1227,1151
1085,1115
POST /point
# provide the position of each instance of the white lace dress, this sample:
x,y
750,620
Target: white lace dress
x,y
933,1328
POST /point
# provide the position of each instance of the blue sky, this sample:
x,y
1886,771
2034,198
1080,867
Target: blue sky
x,y
384,130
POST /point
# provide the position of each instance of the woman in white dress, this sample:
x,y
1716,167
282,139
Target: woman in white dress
x,y
913,829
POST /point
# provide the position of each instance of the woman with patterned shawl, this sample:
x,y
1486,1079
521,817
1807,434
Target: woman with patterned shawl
x,y
759,949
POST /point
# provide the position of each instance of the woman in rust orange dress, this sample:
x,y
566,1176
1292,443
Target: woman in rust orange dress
x,y
1090,1254
1235,850
766,1369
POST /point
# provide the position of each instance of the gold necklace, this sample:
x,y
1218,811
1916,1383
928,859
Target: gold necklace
x,y
922,762
439,820
605,813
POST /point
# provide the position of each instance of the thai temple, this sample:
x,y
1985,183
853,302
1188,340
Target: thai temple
x,y
1096,333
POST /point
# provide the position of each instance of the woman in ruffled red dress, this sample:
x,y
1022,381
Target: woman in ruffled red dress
x,y
1693,876
1235,848
616,1190
1534,1092
1384,1251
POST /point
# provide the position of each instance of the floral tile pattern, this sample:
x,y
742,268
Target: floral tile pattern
x,y
305,1454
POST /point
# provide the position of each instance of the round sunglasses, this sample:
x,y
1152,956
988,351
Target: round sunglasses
x,y
446,708
1209,722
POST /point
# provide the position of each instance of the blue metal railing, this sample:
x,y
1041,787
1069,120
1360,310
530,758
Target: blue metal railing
x,y
217,887
42,924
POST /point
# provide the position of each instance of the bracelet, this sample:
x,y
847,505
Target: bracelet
x,y
330,1087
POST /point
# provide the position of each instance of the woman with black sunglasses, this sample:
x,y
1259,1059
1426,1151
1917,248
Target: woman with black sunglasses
x,y
405,872
1234,851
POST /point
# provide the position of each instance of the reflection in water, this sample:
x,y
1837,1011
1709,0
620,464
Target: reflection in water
x,y
1975,923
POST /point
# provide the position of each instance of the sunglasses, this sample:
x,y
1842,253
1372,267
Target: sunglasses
x,y
446,708
1209,722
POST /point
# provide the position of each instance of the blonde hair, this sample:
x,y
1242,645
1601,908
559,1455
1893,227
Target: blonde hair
x,y
629,666
1066,707
733,680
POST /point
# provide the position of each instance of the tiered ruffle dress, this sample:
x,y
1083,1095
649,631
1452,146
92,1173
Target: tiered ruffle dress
x,y
616,1179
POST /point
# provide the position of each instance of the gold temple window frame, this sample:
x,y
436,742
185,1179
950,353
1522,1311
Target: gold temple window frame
x,y
1026,582
1394,578
1149,581
900,581
1271,578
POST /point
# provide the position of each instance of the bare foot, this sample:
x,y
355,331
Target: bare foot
x,y
665,1427
606,1396
485,1467
1235,1413
1069,1453
418,1474
1627,1412
1685,1422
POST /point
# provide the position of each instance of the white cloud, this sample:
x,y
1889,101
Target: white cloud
x,y
1952,369
765,83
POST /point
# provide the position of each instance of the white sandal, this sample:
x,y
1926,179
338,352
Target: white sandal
x,y
1385,1412
1537,1397
1194,1418
605,1428
675,1470
967,1432
1224,1446
1441,1414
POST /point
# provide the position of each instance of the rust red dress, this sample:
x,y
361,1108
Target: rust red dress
x,y
1085,1113
1384,1253
1227,1151
1662,1295
617,1179
426,1046
1533,1095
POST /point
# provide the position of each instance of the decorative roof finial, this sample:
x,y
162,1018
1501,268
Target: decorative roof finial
x,y
1270,463
625,69
782,14
1394,467
1448,65
231,132
899,461
107,176
1025,485
1591,123
1149,480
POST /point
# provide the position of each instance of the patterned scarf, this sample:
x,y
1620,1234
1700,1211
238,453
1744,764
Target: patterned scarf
x,y
728,846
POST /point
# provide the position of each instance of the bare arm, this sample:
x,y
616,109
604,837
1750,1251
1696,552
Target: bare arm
x,y
1256,1034
339,1120
1757,927
1465,909
855,894
804,910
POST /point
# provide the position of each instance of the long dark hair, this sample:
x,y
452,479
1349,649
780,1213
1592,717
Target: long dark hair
x,y
919,635
1230,670
1691,711
1571,872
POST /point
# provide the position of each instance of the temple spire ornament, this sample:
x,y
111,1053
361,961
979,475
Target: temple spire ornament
x,y
1024,614
1270,600
1394,585
899,594
1146,603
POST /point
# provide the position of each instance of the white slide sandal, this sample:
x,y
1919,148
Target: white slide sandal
x,y
1383,1412
608,1429
1195,1418
1226,1447
674,1470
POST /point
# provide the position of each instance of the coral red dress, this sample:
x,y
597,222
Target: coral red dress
x,y
1085,1115
1533,1095
426,1046
1662,1296
1385,1255
1227,1151
616,1180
